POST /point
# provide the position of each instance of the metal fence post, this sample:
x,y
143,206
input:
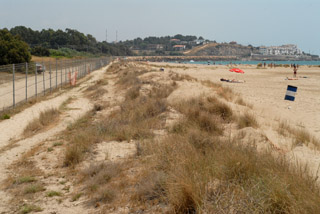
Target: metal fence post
x,y
85,67
61,74
13,85
26,81
81,67
36,82
56,73
65,72
78,69
44,83
50,75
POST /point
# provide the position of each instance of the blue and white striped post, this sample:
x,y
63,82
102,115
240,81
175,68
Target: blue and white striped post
x,y
291,92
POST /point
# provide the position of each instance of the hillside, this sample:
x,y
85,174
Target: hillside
x,y
222,49
66,43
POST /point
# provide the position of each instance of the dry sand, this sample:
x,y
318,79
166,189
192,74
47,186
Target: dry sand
x,y
263,88
266,88
12,129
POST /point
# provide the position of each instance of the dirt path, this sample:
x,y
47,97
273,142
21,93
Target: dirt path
x,y
14,127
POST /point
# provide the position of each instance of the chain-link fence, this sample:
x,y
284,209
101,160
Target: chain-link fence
x,y
20,82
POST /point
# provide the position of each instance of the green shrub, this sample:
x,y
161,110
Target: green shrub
x,y
5,117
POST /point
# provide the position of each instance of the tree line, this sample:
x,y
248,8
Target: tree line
x,y
165,41
12,49
18,43
70,38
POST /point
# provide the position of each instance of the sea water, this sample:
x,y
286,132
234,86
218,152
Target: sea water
x,y
252,62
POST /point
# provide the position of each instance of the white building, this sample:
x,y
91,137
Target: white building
x,y
280,50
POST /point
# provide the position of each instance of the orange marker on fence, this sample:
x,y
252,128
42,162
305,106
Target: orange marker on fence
x,y
73,78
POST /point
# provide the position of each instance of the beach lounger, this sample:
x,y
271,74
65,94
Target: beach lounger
x,y
232,81
292,78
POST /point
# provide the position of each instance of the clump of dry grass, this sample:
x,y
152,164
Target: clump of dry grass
x,y
247,120
97,93
150,186
96,178
181,77
128,78
197,181
285,129
240,101
114,67
133,93
129,122
138,114
219,108
63,106
27,208
33,188
224,92
97,85
46,118
24,179
105,195
201,172
75,197
210,84
80,138
100,173
300,136
73,155
207,113
53,193
80,143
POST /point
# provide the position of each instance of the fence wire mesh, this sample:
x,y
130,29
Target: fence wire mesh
x,y
20,82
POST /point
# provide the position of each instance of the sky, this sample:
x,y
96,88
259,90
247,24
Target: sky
x,y
255,22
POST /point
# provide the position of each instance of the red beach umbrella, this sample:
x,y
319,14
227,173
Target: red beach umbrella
x,y
237,70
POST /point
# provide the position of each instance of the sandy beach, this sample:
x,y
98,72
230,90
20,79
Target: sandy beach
x,y
265,89
100,97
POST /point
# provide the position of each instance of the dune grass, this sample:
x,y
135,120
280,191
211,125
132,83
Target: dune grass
x,y
45,119
300,136
24,179
53,193
247,120
134,120
194,168
202,172
33,188
28,208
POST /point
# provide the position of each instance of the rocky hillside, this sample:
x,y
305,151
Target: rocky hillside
x,y
222,49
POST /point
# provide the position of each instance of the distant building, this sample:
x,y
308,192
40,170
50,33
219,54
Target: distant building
x,y
198,42
175,40
155,47
291,50
179,47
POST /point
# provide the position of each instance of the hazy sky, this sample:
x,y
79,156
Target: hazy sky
x,y
256,22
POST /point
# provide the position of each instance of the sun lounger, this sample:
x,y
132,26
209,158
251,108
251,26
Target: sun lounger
x,y
232,81
291,78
